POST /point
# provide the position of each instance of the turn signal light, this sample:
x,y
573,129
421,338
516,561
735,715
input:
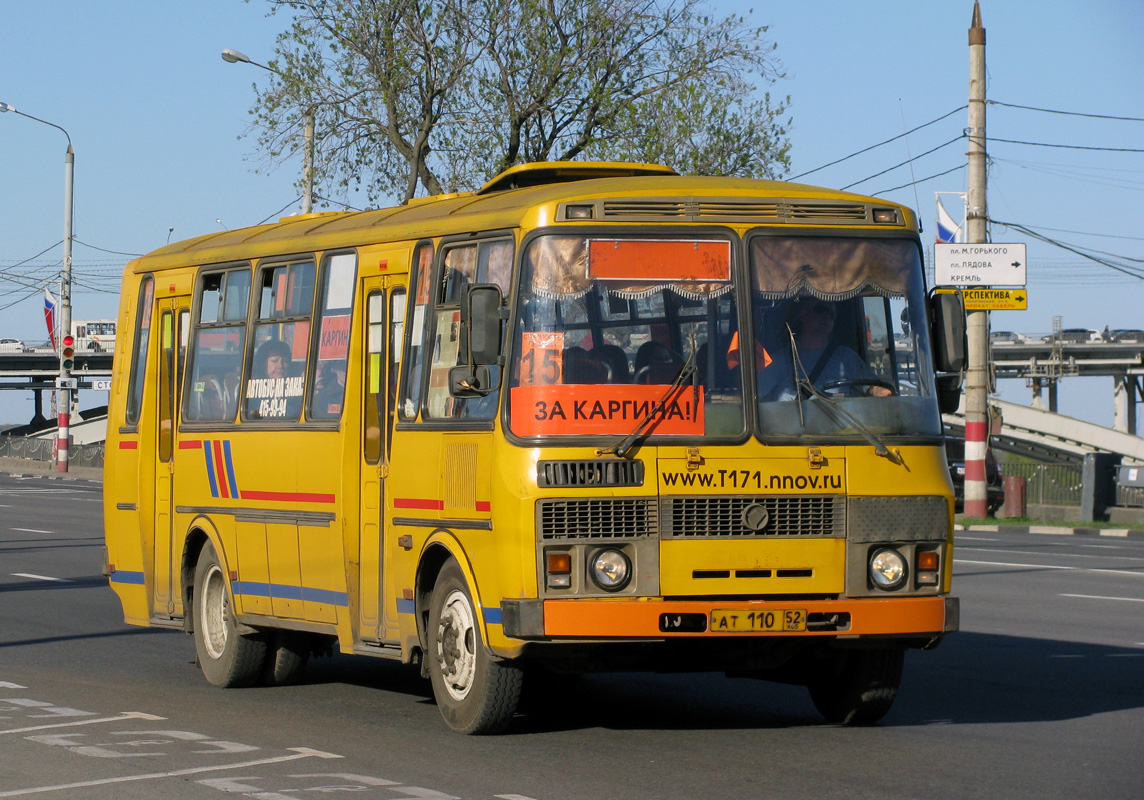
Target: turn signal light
x,y
927,560
559,569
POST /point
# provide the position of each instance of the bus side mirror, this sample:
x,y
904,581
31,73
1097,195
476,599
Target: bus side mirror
x,y
947,316
481,318
481,323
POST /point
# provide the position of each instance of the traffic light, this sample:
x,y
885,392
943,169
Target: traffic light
x,y
67,354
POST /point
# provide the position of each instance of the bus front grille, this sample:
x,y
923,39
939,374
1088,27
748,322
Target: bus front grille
x,y
743,517
619,518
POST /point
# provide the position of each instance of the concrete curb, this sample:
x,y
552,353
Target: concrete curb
x,y
1056,530
23,467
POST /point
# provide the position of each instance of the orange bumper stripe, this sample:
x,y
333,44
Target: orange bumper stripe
x,y
640,618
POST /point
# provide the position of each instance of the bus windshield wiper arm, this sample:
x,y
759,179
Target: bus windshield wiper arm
x,y
624,445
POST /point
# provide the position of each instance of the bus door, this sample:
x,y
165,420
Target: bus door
x,y
174,317
384,323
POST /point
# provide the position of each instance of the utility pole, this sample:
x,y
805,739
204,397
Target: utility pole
x,y
977,322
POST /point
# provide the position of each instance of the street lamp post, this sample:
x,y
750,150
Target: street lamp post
x,y
63,383
234,57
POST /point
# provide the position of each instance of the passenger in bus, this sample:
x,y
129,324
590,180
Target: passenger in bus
x,y
614,357
272,393
329,391
823,358
656,364
581,367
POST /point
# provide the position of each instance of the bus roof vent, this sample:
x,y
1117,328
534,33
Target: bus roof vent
x,y
540,173
601,472
734,209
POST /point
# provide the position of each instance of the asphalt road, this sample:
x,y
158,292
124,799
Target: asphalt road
x,y
1041,695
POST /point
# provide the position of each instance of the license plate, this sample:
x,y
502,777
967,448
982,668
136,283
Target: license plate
x,y
738,620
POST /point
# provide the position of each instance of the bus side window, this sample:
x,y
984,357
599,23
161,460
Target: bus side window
x,y
374,411
397,305
328,383
139,350
483,262
276,379
411,384
214,371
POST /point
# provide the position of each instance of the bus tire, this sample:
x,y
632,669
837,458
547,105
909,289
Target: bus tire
x,y
857,687
286,655
475,693
228,659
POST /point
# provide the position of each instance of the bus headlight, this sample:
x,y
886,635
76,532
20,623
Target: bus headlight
x,y
887,568
610,569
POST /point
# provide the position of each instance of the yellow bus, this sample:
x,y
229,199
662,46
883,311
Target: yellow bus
x,y
593,416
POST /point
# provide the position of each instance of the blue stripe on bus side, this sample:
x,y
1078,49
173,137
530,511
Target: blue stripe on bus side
x,y
229,469
282,591
492,615
127,576
208,453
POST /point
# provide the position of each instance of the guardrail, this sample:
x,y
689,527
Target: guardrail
x,y
79,455
1058,484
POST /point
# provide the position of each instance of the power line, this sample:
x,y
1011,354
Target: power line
x,y
1134,272
907,161
873,146
100,249
1066,113
1069,146
922,180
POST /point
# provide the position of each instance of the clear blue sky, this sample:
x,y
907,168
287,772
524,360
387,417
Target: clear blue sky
x,y
155,116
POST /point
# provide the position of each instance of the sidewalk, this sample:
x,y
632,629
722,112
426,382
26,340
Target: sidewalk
x,y
21,467
1059,530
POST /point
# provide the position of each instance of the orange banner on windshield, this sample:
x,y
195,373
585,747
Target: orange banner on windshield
x,y
594,409
659,260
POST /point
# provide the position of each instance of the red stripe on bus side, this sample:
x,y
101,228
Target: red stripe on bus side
x,y
413,502
220,471
484,505
124,445
190,445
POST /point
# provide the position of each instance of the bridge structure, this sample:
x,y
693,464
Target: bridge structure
x,y
1044,364
36,371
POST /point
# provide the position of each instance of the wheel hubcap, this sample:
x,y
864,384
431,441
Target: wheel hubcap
x,y
215,612
456,645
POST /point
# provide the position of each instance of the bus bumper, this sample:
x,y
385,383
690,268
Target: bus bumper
x,y
657,619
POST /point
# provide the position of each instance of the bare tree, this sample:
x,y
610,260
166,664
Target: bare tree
x,y
428,96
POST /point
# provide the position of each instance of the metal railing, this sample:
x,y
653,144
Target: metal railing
x,y
41,449
1049,484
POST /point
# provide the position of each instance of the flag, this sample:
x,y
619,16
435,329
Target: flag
x,y
948,231
50,306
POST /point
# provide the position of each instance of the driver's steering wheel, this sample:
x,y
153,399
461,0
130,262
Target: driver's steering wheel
x,y
850,383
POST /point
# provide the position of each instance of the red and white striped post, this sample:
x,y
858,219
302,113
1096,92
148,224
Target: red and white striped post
x,y
64,432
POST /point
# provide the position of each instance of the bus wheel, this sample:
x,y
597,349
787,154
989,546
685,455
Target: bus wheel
x,y
228,658
857,687
286,657
475,693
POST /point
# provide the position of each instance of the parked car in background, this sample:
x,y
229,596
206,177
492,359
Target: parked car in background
x,y
11,346
994,486
1080,335
1128,335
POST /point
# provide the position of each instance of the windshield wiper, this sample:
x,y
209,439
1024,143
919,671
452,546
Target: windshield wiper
x,y
835,409
630,440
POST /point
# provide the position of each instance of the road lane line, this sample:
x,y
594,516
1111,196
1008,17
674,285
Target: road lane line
x,y
1051,566
1049,554
40,577
125,715
298,752
30,530
1100,597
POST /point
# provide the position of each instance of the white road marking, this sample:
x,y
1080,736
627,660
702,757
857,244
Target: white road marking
x,y
974,539
118,718
6,685
298,752
513,797
1100,597
40,577
1051,566
30,530
1053,554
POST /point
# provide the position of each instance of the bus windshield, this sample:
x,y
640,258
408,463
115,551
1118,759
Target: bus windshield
x,y
842,341
612,332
